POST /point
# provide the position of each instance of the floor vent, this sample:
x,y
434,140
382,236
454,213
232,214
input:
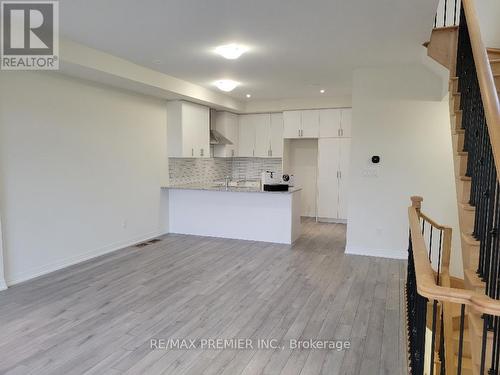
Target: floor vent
x,y
150,242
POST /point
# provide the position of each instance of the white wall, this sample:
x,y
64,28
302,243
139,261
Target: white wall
x,y
301,159
81,167
397,115
489,22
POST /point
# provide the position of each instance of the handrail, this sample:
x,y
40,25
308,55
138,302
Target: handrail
x,y
426,282
486,80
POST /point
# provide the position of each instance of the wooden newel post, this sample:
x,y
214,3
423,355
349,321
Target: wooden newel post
x,y
416,201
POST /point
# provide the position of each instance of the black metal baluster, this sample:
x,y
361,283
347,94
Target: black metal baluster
x,y
439,256
433,337
445,10
461,340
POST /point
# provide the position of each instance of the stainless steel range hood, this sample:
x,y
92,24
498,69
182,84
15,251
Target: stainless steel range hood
x,y
216,138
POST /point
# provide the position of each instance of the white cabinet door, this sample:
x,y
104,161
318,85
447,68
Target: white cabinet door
x,y
276,135
328,177
345,153
227,124
345,122
246,136
195,130
262,134
310,124
329,123
292,124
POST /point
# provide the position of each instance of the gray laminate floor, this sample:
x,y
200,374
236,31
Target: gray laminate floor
x,y
98,317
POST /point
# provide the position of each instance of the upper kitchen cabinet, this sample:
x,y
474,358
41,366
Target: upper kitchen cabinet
x,y
246,135
345,122
188,130
335,123
226,124
292,124
276,149
329,123
262,134
301,124
310,124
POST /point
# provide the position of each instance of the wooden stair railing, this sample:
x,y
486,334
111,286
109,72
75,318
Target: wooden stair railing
x,y
475,125
428,287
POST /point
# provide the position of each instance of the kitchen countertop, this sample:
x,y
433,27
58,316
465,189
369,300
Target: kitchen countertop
x,y
231,189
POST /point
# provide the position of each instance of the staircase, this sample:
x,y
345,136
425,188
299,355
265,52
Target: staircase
x,y
470,307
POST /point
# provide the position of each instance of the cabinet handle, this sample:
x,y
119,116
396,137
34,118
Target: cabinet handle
x,y
192,152
253,152
340,174
270,152
232,153
201,152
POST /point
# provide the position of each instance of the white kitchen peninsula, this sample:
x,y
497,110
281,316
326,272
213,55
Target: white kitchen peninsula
x,y
239,213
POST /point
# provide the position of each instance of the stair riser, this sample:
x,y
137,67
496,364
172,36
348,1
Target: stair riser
x,y
463,190
460,168
473,256
458,120
467,219
495,67
494,55
458,141
456,102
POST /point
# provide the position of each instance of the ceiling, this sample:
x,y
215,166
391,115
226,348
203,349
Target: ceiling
x,y
297,47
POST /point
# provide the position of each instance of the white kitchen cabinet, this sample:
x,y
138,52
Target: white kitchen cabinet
x,y
226,123
188,130
262,124
292,124
301,124
246,136
276,150
346,122
345,152
333,178
329,123
310,124
328,184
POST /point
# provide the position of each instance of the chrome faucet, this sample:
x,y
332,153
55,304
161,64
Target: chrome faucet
x,y
227,179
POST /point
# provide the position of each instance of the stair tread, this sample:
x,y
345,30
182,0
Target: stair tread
x,y
474,278
466,206
464,178
469,238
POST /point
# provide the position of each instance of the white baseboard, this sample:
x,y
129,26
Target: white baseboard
x,y
380,253
55,266
3,285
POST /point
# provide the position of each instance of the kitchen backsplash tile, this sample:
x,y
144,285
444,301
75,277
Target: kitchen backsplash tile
x,y
198,170
251,168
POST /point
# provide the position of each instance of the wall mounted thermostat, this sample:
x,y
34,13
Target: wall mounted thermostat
x,y
375,159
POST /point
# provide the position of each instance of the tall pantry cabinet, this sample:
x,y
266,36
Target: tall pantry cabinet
x,y
333,164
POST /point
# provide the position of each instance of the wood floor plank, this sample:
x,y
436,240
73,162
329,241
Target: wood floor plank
x,y
98,317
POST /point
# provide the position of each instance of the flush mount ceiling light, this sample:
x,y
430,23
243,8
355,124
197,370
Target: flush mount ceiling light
x,y
322,91
231,51
226,85
248,96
